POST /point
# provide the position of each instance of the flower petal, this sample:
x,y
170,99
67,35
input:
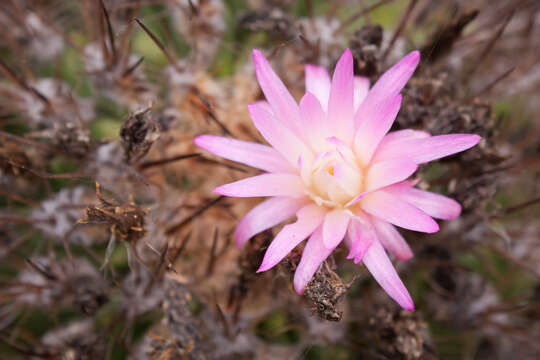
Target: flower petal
x,y
391,239
361,89
264,185
374,123
318,83
398,212
340,104
309,218
356,199
380,266
385,173
438,206
405,134
312,257
313,120
392,81
421,150
256,155
348,178
263,104
360,236
267,214
281,100
280,137
334,227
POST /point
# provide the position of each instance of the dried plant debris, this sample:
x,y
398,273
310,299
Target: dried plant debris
x,y
248,264
275,21
321,43
443,39
78,340
399,335
202,22
69,138
125,220
114,92
365,45
325,291
56,216
54,282
138,133
31,31
44,102
13,160
178,335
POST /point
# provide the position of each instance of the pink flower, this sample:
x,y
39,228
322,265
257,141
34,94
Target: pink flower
x,y
333,165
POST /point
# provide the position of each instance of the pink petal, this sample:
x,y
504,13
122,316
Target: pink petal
x,y
385,173
360,236
334,227
256,155
280,137
265,106
313,120
392,239
343,149
318,83
283,104
304,168
312,257
356,199
267,214
373,123
380,266
398,212
340,103
421,150
392,81
264,185
348,178
405,134
438,206
361,89
309,218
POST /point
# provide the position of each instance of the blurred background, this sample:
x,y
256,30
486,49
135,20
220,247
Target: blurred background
x,y
113,245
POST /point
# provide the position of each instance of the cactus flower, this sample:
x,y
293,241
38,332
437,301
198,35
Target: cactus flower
x,y
334,166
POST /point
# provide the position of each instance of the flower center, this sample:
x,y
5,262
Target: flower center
x,y
334,178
